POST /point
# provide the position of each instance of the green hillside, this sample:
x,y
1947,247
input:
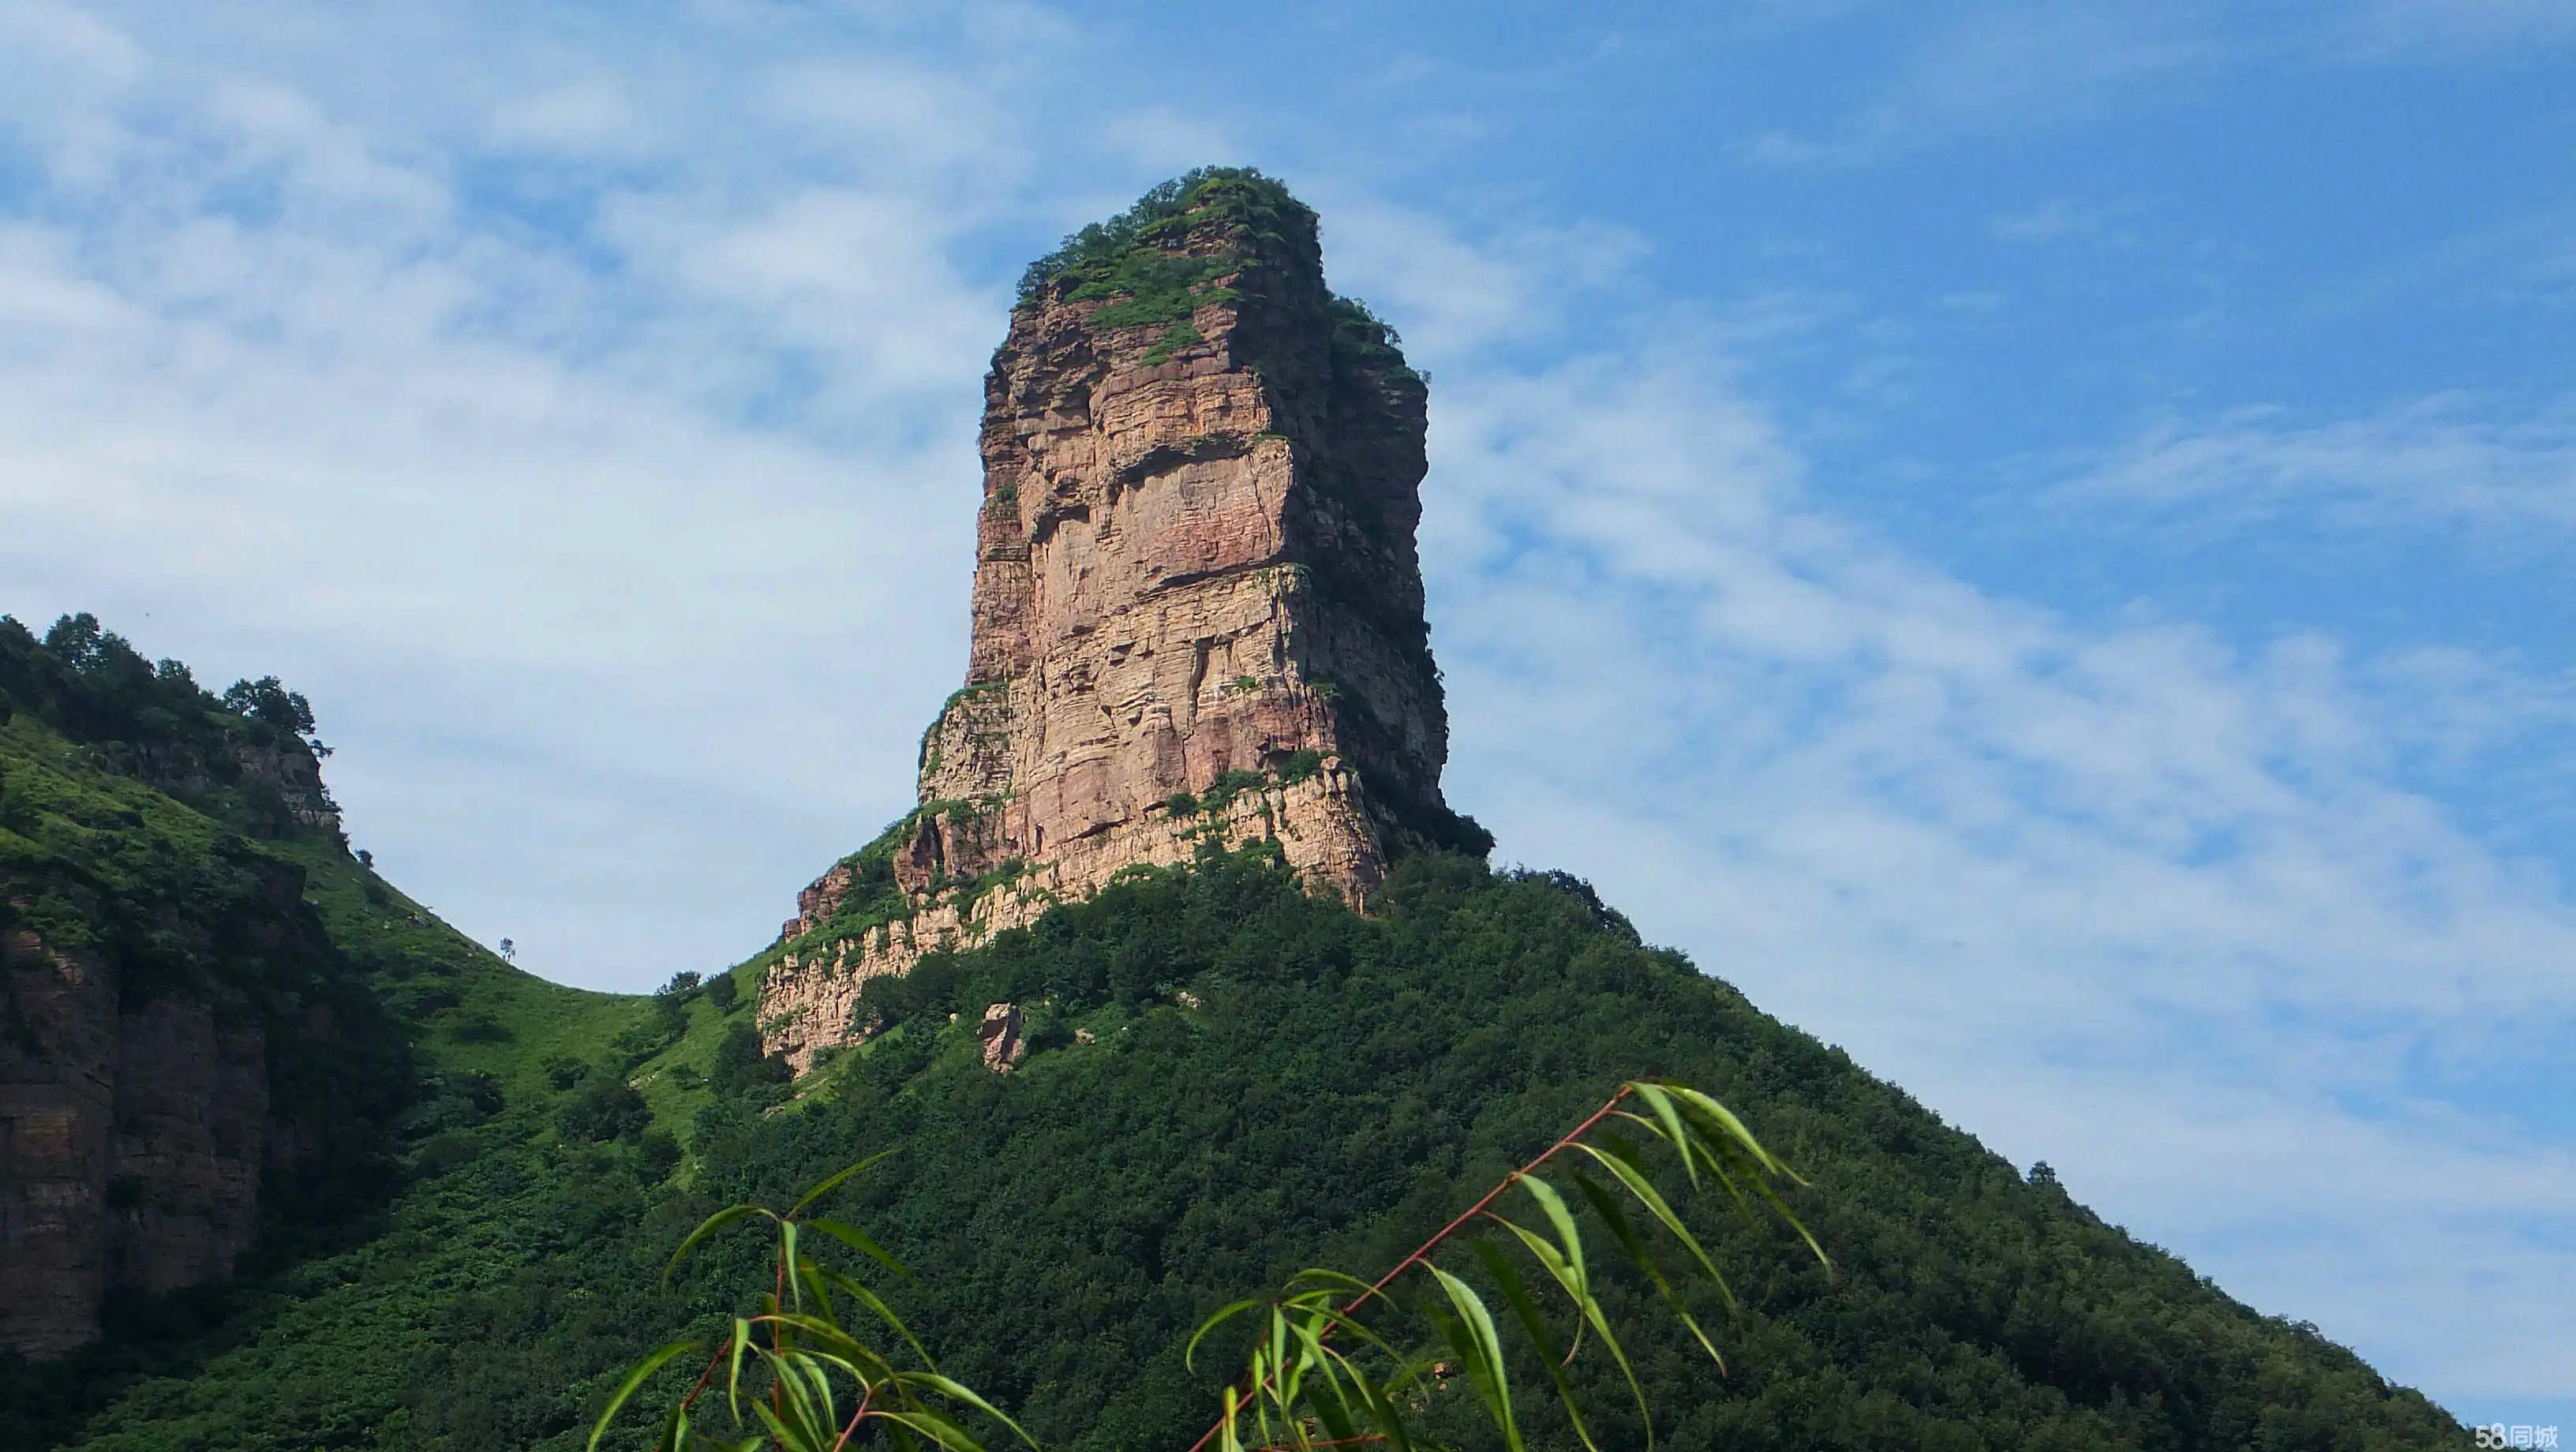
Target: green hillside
x,y
130,829
1227,1080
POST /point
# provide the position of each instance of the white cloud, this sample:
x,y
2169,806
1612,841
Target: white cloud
x,y
520,524
2438,461
581,120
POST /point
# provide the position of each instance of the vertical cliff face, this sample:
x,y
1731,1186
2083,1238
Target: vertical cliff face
x,y
1198,612
141,1054
132,1141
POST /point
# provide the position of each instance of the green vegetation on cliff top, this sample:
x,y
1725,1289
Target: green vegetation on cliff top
x,y
1137,265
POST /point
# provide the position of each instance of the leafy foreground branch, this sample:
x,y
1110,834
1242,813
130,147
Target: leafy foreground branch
x,y
795,1398
1335,1361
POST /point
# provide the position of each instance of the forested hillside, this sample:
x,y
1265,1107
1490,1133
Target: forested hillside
x,y
1227,1079
226,1044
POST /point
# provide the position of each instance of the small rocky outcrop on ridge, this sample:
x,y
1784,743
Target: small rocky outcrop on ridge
x,y
1198,612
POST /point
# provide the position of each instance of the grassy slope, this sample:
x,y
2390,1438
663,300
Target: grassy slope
x,y
449,989
414,954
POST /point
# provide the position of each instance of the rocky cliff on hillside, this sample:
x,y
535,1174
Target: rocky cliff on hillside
x,y
178,1066
165,1056
1198,613
132,1141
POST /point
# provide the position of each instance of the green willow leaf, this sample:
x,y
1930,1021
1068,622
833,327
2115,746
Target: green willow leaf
x,y
733,1375
940,1430
787,1436
1671,1125
1479,1337
1334,1413
869,1300
1570,1279
659,1357
855,1239
1215,1319
1569,1239
675,1427
1533,1325
787,1257
1732,1127
834,1183
959,1394
1622,1162
1381,1408
707,1227
1625,1236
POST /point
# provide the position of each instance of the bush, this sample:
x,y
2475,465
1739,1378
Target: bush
x,y
1220,793
659,1155
742,1068
604,1107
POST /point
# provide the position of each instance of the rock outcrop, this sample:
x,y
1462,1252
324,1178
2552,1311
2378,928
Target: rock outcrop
x,y
1000,1033
1198,613
132,1140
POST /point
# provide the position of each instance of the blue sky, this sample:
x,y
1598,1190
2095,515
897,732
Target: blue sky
x,y
2029,537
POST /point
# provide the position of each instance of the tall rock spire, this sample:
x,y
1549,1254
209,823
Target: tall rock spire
x,y
1198,612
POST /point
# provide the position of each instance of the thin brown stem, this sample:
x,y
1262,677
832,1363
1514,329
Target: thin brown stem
x,y
856,1417
1424,1251
704,1377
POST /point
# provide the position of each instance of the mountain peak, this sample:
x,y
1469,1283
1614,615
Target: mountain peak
x,y
1198,610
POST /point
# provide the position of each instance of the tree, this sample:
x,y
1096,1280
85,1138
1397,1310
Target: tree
x,y
270,703
75,640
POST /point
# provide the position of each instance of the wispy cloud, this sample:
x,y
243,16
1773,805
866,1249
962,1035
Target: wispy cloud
x,y
2443,462
581,120
2065,219
2131,900
2010,66
1980,69
2415,31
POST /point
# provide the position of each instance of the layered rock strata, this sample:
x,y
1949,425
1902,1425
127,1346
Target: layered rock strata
x,y
1198,612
